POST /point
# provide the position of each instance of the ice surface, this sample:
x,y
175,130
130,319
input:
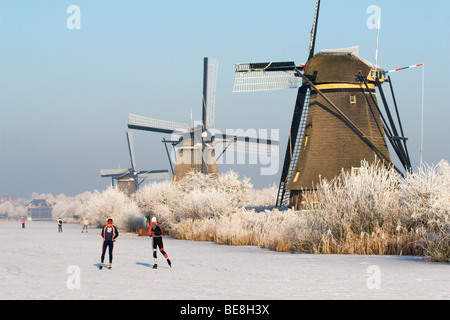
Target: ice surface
x,y
39,263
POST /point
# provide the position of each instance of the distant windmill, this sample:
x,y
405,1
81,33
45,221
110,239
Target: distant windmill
x,y
196,146
128,179
337,121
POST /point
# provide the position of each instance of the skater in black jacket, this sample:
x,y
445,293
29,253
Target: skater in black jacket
x,y
155,231
59,224
109,235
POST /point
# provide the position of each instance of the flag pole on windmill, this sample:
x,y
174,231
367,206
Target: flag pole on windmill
x,y
378,36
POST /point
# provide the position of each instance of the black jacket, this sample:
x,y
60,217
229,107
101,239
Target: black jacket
x,y
109,232
155,230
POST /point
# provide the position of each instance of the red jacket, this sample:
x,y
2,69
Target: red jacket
x,y
155,230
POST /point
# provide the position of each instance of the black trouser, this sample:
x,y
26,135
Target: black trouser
x,y
157,242
110,246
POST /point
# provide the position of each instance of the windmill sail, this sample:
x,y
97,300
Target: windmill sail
x,y
113,172
294,143
266,76
213,70
247,144
154,174
130,149
149,124
312,43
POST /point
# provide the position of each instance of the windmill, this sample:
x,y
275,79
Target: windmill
x,y
128,179
196,145
337,121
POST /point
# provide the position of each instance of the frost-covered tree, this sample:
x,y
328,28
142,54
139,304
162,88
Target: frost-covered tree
x,y
114,204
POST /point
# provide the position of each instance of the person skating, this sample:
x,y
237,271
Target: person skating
x,y
155,231
59,224
85,225
109,235
23,223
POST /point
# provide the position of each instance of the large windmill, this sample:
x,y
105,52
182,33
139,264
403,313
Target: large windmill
x,y
128,180
337,121
196,145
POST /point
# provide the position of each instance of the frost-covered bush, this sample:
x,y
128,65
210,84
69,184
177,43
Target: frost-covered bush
x,y
354,205
71,207
157,199
197,196
114,204
14,208
236,191
265,197
66,207
425,197
203,204
381,213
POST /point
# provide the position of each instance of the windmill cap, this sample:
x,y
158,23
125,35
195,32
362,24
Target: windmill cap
x,y
153,219
337,67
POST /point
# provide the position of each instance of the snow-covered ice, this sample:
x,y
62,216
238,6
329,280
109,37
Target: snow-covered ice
x,y
39,263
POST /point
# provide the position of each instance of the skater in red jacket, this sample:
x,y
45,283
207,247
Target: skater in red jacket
x,y
155,231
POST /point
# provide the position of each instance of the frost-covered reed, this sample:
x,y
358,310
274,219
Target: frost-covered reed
x,y
377,212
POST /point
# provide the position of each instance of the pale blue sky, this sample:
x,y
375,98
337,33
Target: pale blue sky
x,y
65,95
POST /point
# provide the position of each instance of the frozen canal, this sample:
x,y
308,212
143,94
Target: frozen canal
x,y
39,263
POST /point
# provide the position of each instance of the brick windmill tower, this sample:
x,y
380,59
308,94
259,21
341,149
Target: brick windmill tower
x,y
337,121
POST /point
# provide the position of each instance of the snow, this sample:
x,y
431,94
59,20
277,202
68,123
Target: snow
x,y
39,263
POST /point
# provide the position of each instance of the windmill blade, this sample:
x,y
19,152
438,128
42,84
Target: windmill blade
x,y
245,139
247,144
265,76
312,43
294,142
131,150
113,172
210,99
153,174
149,124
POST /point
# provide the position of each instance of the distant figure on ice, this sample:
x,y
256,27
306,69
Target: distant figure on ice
x,y
109,235
156,232
23,223
85,225
59,224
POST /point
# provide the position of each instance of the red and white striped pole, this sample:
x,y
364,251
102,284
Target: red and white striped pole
x,y
404,68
